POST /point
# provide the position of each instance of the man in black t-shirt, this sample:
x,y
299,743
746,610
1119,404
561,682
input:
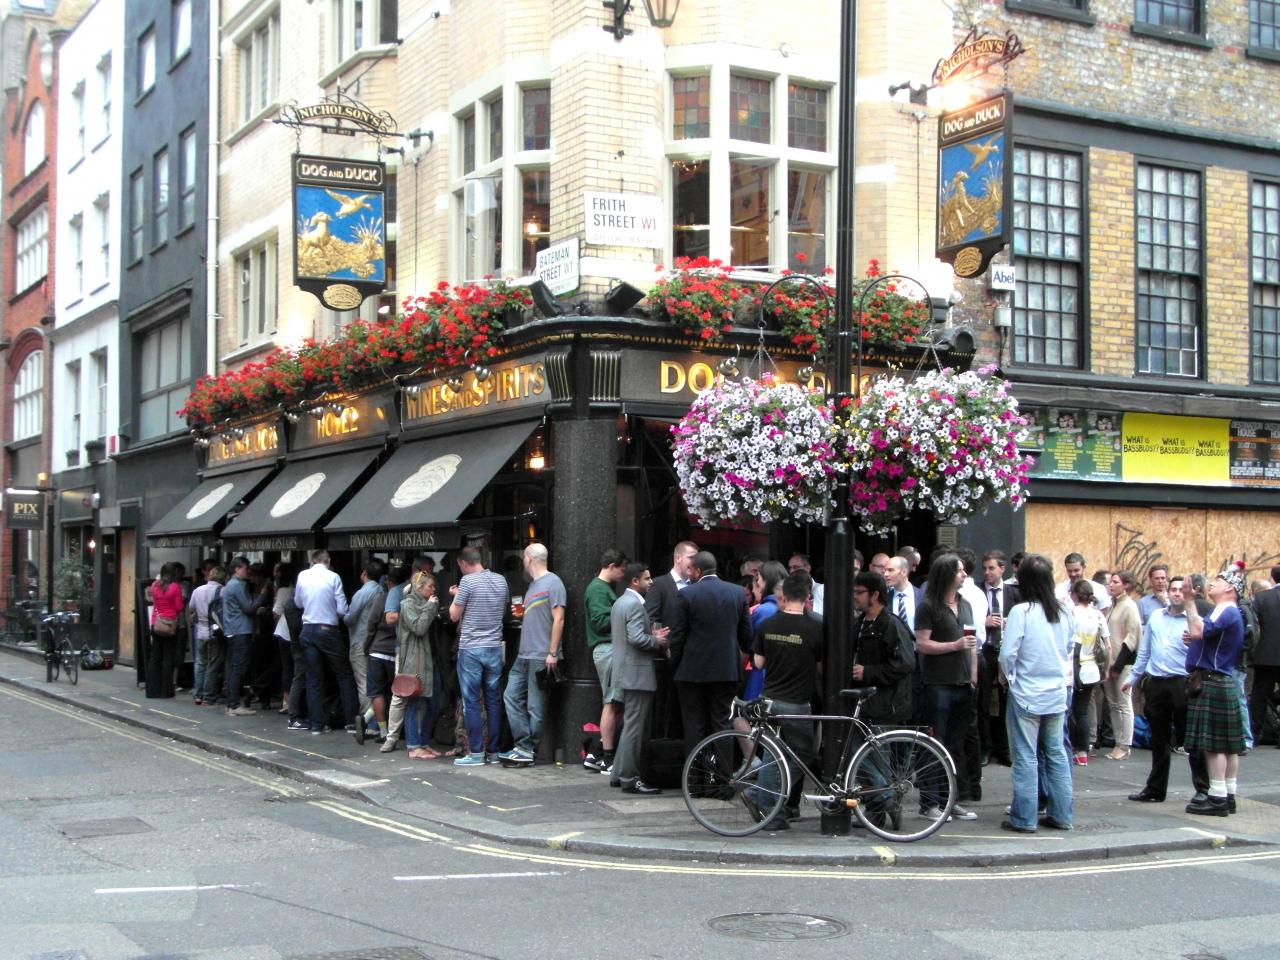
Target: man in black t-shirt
x,y
789,645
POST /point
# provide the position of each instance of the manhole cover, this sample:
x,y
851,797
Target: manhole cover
x,y
370,953
777,927
113,827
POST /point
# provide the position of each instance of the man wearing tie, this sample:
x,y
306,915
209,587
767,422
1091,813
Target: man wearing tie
x,y
660,602
1001,598
903,596
635,644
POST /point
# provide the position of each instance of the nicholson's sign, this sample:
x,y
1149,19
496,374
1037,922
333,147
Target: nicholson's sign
x,y
975,180
977,53
340,231
333,115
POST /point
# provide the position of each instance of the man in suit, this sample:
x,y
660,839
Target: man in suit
x,y
1266,655
661,600
709,635
635,644
1001,598
904,597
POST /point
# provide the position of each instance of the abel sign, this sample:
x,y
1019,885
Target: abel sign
x,y
623,219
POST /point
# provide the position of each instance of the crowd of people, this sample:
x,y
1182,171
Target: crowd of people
x,y
1003,664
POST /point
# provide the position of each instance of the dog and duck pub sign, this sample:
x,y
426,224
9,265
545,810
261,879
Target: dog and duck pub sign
x,y
340,231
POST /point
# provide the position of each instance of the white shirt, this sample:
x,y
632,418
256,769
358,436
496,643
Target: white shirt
x,y
819,591
1100,595
282,625
680,584
908,602
319,595
977,598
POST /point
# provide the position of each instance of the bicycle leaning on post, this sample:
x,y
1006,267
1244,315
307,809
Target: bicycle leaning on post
x,y
59,652
736,782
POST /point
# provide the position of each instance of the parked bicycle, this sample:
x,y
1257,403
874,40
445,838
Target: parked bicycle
x,y
59,652
900,783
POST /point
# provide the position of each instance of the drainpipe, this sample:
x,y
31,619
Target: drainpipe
x,y
213,153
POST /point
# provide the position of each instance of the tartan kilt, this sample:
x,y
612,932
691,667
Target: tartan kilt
x,y
1214,721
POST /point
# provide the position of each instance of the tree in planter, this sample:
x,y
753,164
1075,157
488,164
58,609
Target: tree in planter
x,y
72,583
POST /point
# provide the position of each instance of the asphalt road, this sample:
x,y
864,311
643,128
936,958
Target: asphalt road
x,y
117,844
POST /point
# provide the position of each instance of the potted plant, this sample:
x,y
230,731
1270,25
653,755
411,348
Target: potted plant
x,y
699,297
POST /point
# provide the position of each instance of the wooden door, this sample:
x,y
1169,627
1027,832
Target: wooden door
x,y
126,601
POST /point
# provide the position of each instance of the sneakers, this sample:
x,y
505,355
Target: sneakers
x,y
961,813
1039,813
592,762
241,712
468,760
298,725
931,813
316,731
516,757
607,771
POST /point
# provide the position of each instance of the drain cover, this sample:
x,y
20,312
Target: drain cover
x,y
113,827
777,927
369,953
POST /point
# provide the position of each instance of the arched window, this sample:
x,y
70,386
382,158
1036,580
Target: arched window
x,y
34,145
28,397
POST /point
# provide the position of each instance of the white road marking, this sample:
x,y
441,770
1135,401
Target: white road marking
x,y
483,876
189,888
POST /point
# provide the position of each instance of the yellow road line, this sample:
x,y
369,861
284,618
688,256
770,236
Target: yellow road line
x,y
887,856
1218,839
478,803
381,823
557,843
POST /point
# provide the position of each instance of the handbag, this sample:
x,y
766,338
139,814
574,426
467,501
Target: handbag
x,y
164,626
406,685
1195,683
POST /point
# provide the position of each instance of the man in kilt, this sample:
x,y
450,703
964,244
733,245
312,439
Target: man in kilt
x,y
1215,724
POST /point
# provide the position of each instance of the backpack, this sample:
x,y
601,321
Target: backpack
x,y
1141,732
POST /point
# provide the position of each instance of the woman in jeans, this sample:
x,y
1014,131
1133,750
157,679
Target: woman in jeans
x,y
167,602
1124,623
1035,655
1091,627
418,613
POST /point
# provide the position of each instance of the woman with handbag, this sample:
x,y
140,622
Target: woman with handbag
x,y
1091,655
1124,623
415,669
166,607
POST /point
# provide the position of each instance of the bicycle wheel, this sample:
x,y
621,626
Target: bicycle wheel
x,y
735,784
70,662
897,774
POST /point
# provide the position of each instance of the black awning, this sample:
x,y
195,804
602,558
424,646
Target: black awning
x,y
426,484
286,514
193,522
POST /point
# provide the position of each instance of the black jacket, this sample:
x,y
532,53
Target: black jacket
x,y
1266,608
662,599
710,632
887,661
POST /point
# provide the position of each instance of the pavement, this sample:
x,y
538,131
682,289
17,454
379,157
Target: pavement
x,y
567,807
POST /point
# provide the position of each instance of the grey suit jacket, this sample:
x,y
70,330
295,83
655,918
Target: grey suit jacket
x,y
633,645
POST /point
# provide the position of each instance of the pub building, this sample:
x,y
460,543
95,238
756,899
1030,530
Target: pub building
x,y
564,441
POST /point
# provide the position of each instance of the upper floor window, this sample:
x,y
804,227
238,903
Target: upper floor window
x,y
74,384
160,198
180,29
77,255
104,92
187,179
1264,262
1170,265
259,54
164,378
1048,204
691,107
357,24
78,117
807,115
137,216
1185,16
750,102
101,397
28,397
33,152
102,214
31,261
494,109
536,120
146,61
468,124
1264,24
256,292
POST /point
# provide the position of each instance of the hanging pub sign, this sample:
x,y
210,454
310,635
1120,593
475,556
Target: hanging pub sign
x,y
977,53
24,510
340,233
974,185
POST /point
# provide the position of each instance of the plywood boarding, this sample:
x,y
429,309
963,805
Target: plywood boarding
x,y
1135,538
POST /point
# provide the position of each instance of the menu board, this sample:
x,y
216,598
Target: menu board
x,y
1074,443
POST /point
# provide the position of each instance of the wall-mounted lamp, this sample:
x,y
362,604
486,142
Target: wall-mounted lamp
x,y
536,460
545,300
622,297
662,13
729,366
482,373
918,95
454,383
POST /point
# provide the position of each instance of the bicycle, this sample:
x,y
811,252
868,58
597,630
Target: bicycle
x,y
736,782
59,652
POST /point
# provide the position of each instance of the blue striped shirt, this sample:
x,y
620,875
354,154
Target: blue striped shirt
x,y
1161,653
484,599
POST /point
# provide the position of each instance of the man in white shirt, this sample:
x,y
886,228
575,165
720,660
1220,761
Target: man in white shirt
x,y
319,595
1074,565
800,561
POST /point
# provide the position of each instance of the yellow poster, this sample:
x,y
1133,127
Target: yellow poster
x,y
1184,450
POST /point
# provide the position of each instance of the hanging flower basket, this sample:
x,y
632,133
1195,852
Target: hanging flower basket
x,y
699,297
757,450
944,442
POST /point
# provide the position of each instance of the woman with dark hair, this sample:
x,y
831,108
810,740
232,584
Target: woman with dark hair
x,y
767,590
946,640
1091,638
1035,655
167,606
293,669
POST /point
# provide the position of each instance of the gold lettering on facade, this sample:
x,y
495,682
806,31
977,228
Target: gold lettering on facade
x,y
511,384
264,438
337,425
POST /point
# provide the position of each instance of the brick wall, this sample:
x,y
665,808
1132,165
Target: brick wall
x,y
1111,262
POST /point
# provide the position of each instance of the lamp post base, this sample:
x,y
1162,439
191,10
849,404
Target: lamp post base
x,y
836,824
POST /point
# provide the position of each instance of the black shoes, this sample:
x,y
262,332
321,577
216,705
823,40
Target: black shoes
x,y
1145,796
1200,796
1231,803
1009,825
1211,807
642,788
1055,824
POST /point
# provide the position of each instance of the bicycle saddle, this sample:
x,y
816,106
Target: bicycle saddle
x,y
857,694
